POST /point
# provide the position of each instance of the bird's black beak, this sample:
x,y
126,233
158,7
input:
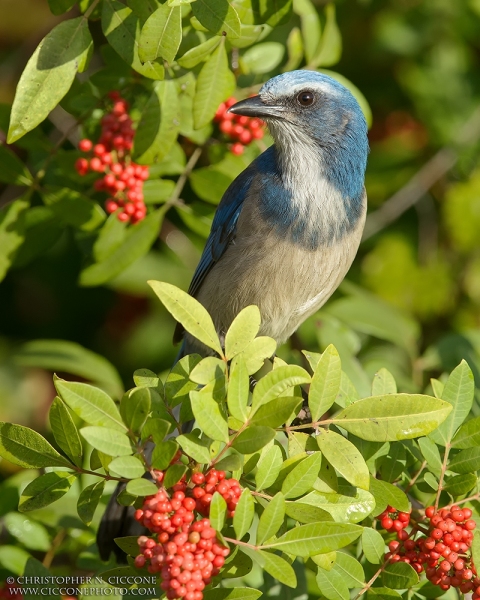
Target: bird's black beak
x,y
254,107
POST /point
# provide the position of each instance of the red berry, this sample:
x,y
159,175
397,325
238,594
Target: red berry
x,y
237,149
85,145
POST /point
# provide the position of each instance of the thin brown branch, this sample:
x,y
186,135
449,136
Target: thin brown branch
x,y
442,474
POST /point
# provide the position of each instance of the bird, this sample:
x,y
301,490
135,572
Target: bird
x,y
287,228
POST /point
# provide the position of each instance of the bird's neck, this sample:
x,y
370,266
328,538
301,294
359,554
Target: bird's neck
x,y
324,185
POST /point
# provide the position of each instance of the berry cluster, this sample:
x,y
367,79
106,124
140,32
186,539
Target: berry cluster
x,y
443,552
394,520
122,179
207,485
238,128
184,551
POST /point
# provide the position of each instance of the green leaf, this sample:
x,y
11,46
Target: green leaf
x,y
12,232
272,13
137,242
268,467
330,50
73,208
458,485
174,474
91,404
386,494
349,505
239,593
88,501
208,414
218,511
45,489
121,27
242,331
383,594
58,7
24,447
305,513
325,561
373,545
156,191
217,16
141,487
155,428
49,74
294,49
262,58
215,84
276,413
159,124
430,453
383,383
198,449
332,584
65,431
476,548
129,467
274,565
468,435
29,533
393,417
13,559
244,513
271,519
208,369
238,389
109,441
129,544
161,34
253,439
199,53
257,352
111,236
325,383
350,569
301,479
275,383
399,576
135,407
13,170
344,457
466,461
311,28
232,462
163,454
316,538
189,312
458,392
178,385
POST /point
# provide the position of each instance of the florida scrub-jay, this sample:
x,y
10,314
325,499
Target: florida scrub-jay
x,y
288,227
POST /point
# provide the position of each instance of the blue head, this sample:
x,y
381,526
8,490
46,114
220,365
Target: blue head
x,y
310,111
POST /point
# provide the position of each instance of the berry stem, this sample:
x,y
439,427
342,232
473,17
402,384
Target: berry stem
x,y
442,474
416,476
369,583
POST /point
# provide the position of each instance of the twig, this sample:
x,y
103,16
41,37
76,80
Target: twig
x,y
416,476
50,554
369,583
182,180
442,474
423,180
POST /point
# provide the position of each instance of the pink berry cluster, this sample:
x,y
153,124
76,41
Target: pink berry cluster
x,y
183,550
122,179
214,481
240,129
443,550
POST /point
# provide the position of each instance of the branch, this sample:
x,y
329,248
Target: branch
x,y
423,180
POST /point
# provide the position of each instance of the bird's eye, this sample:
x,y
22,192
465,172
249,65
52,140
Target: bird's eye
x,y
305,98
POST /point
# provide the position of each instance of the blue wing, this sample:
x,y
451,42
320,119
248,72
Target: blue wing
x,y
222,232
